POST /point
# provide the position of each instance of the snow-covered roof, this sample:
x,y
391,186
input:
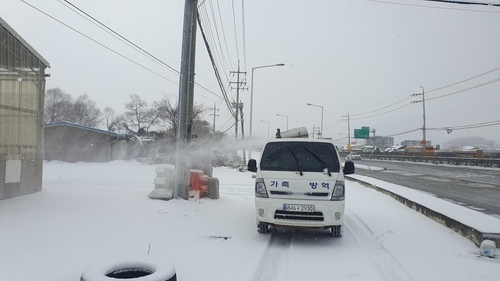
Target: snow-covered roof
x,y
66,123
469,148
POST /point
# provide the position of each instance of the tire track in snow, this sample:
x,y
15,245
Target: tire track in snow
x,y
273,264
387,265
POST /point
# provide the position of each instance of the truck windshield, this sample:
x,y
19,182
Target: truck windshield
x,y
309,156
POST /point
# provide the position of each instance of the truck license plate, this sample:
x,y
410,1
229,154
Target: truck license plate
x,y
298,208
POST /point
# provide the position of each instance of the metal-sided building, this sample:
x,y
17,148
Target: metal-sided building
x,y
70,142
22,88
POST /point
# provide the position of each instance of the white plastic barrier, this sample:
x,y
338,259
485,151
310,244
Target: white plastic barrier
x,y
164,182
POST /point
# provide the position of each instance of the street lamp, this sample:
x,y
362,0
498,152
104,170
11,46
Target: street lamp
x,y
268,125
286,119
251,100
310,104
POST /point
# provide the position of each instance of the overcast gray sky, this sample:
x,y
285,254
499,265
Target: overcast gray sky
x,y
351,56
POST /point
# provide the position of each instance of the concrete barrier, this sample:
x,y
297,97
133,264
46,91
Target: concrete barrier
x,y
467,231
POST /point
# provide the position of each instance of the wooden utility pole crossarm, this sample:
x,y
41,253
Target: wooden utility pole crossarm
x,y
237,104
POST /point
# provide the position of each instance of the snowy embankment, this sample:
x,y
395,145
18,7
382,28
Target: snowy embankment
x,y
477,220
468,221
93,211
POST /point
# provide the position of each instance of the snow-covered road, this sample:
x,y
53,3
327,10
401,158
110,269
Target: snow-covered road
x,y
92,211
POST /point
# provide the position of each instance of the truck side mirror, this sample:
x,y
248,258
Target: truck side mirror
x,y
349,168
252,165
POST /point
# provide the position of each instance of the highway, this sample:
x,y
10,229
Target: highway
x,y
475,188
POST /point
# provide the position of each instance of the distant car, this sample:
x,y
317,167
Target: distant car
x,y
354,156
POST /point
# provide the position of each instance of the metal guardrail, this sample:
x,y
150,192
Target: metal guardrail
x,y
478,162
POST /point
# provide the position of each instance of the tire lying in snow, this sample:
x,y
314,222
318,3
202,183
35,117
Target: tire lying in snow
x,y
136,268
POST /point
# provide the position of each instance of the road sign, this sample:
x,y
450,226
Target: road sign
x,y
361,134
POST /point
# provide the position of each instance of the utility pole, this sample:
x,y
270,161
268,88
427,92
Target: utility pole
x,y
424,139
423,107
373,131
237,104
243,135
215,113
316,131
348,119
186,94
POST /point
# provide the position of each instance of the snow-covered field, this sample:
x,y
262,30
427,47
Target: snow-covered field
x,y
93,211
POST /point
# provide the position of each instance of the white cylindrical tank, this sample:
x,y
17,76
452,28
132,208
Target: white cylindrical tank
x,y
488,248
300,132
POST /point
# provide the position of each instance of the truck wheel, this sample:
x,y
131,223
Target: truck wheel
x,y
262,227
336,231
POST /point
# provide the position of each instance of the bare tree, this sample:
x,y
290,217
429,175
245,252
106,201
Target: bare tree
x,y
58,105
138,117
112,122
168,114
85,112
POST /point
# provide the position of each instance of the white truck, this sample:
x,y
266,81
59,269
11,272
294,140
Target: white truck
x,y
300,183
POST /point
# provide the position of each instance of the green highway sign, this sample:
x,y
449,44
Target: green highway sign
x,y
363,133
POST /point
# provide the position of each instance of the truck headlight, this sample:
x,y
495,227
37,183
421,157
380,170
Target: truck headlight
x,y
260,188
338,191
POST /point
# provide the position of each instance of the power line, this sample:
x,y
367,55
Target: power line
x,y
344,138
216,44
403,133
364,113
470,126
467,89
244,37
201,4
473,108
228,120
450,113
122,38
432,7
229,128
463,2
462,127
218,37
97,42
465,80
217,75
224,35
204,17
333,124
235,34
398,108
437,89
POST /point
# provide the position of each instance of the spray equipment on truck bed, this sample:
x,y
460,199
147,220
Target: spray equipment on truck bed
x,y
300,132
